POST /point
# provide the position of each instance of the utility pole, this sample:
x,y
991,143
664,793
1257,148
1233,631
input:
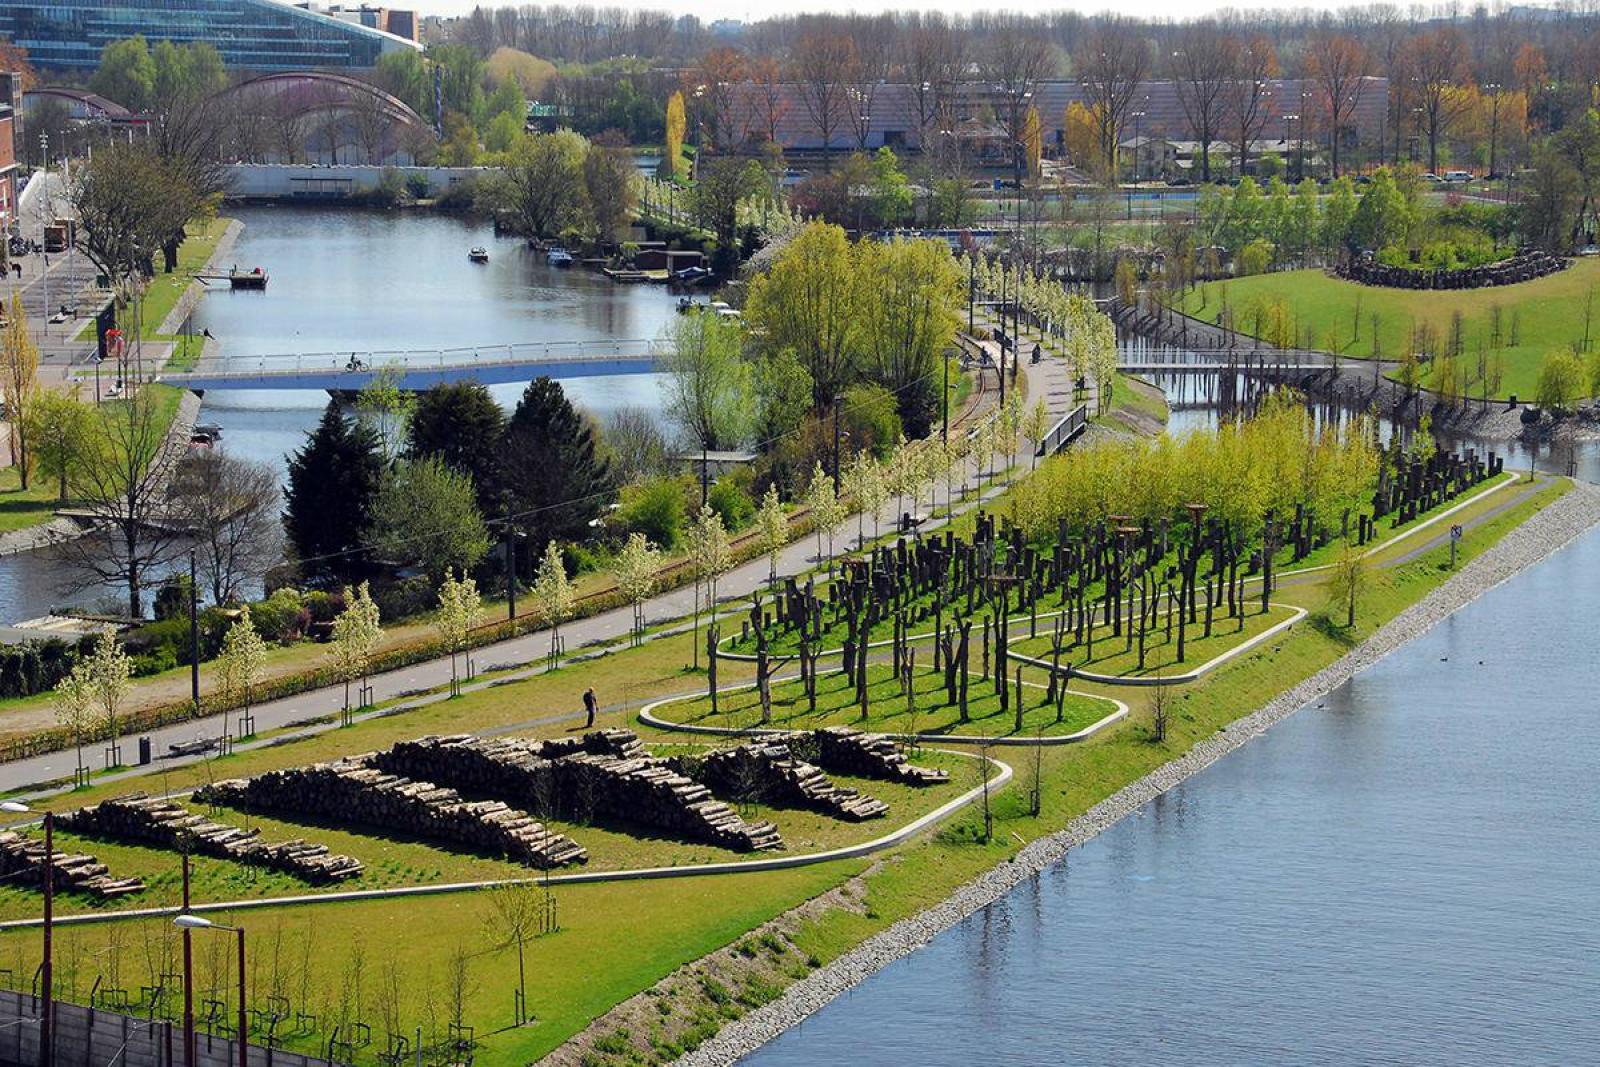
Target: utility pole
x,y
194,635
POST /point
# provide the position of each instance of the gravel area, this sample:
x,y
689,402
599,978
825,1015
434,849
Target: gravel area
x,y
1540,536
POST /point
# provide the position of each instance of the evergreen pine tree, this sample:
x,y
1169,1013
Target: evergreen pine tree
x,y
328,501
460,423
556,479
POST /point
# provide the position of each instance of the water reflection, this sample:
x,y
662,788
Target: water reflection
x,y
1401,873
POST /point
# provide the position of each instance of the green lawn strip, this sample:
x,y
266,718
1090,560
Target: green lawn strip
x,y
787,642
393,859
887,710
1549,313
619,938
1113,657
19,508
1076,777
614,939
164,290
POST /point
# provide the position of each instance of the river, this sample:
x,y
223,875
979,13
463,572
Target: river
x,y
1403,873
346,281
352,280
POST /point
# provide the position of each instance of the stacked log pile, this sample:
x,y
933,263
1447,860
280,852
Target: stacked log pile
x,y
606,772
22,860
769,771
352,791
644,789
845,751
167,824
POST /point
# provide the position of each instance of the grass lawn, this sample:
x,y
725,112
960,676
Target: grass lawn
x,y
164,290
393,859
618,939
887,708
1113,657
19,508
1548,314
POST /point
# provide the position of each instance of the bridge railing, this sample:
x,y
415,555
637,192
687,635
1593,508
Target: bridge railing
x,y
357,361
1069,426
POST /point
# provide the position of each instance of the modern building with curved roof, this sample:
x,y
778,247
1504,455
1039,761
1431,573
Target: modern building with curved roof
x,y
320,117
259,35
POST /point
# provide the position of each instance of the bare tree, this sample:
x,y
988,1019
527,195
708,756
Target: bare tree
x,y
819,67
122,483
1112,61
230,508
1437,65
1013,61
769,98
714,81
1337,65
931,61
1245,100
1204,66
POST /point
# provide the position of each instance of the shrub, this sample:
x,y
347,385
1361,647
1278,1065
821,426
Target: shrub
x,y
281,617
34,667
871,415
1254,258
401,598
654,508
729,500
323,606
172,599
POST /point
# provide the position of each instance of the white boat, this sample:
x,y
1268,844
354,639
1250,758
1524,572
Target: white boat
x,y
558,257
479,255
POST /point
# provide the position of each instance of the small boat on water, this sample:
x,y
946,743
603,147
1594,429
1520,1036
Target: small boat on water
x,y
558,257
479,254
255,278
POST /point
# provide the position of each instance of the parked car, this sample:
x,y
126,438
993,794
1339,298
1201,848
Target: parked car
x,y
1457,176
1431,177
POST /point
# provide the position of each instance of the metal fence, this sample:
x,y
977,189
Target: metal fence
x,y
1070,425
96,1037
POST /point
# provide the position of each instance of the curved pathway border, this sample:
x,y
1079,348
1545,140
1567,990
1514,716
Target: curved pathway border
x,y
1216,661
1542,535
772,863
1482,494
647,716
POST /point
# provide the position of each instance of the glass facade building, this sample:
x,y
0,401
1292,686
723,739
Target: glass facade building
x,y
259,35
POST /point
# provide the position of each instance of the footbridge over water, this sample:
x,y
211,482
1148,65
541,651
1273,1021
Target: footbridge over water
x,y
421,368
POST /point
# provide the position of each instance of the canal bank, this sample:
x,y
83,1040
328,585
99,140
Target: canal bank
x,y
1545,533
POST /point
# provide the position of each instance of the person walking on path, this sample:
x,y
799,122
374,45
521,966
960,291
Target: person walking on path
x,y
590,705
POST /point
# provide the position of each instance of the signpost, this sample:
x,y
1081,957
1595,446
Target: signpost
x,y
1455,536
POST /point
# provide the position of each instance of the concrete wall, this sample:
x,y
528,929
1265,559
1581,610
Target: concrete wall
x,y
312,181
86,1037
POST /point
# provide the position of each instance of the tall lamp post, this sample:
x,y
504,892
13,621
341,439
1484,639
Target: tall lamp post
x,y
46,988
187,921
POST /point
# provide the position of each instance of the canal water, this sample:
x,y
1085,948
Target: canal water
x,y
347,281
1404,872
363,281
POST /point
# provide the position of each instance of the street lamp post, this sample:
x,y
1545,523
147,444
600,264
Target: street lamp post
x,y
44,170
186,921
46,986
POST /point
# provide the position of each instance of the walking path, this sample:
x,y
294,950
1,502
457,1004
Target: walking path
x,y
432,676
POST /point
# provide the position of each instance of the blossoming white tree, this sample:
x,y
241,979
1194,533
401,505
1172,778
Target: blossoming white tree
x,y
458,606
636,569
554,595
357,630
238,666
774,526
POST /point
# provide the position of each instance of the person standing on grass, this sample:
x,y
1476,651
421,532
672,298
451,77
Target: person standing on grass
x,y
590,706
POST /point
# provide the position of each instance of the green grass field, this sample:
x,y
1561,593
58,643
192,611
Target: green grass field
x,y
888,710
397,960
19,508
1546,315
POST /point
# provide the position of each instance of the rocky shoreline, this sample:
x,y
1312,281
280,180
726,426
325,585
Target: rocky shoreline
x,y
1540,536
